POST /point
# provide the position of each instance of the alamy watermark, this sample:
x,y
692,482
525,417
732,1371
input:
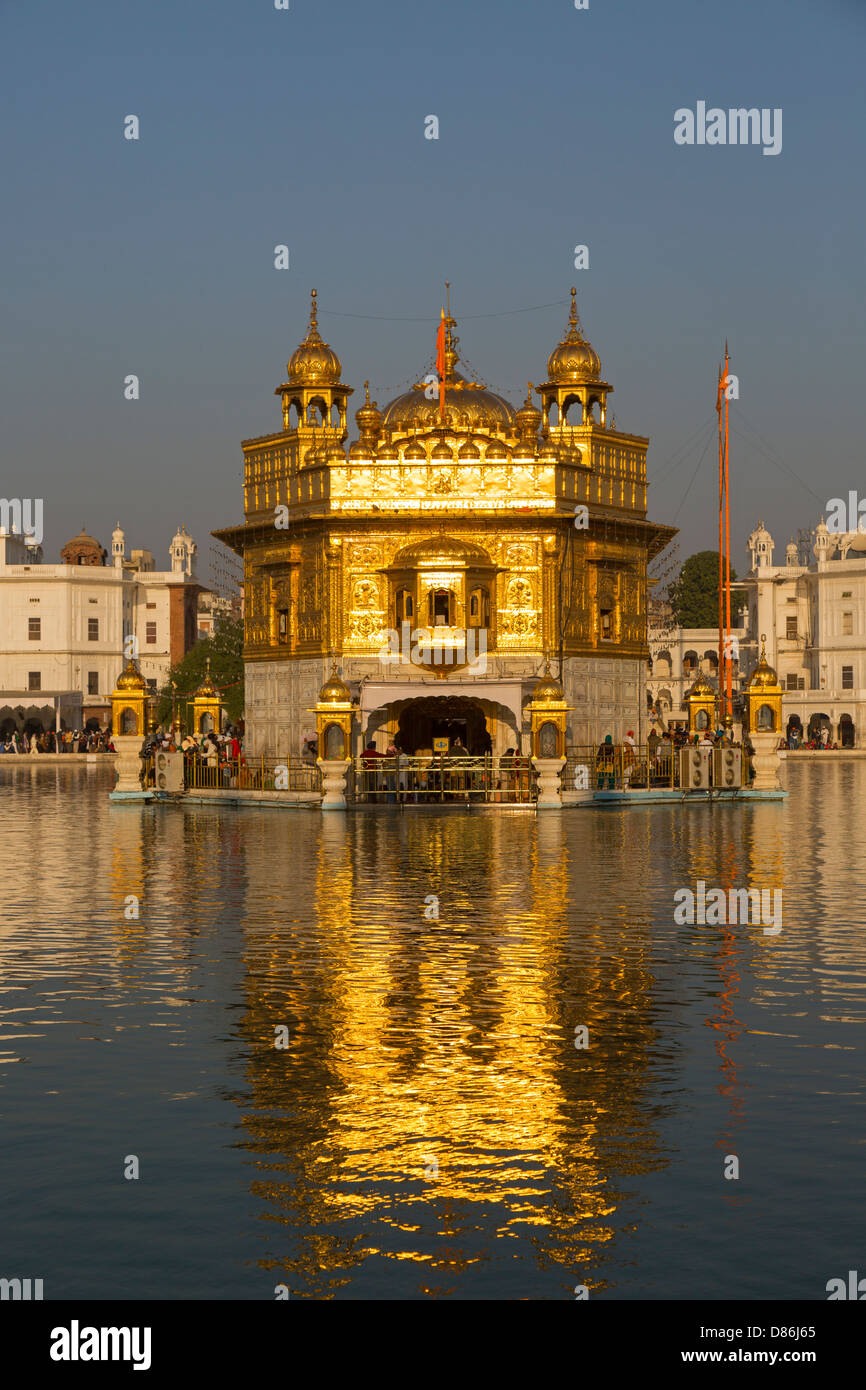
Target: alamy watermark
x,y
714,907
737,126
22,516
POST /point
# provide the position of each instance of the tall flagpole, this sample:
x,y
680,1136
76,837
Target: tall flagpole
x,y
728,658
721,556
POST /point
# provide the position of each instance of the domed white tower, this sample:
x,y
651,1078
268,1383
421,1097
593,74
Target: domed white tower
x,y
118,547
183,553
761,545
823,542
792,555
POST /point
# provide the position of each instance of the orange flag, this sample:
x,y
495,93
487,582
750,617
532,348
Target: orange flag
x,y
440,362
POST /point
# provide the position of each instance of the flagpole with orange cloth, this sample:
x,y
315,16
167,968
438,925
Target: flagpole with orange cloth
x,y
440,364
728,657
721,558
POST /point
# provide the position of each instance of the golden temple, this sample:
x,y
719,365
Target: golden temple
x,y
445,554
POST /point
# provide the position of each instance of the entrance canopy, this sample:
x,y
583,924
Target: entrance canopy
x,y
376,694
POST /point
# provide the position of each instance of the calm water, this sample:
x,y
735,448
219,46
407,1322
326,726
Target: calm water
x,y
414,1043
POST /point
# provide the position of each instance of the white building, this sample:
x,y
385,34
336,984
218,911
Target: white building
x,y
677,656
63,628
811,612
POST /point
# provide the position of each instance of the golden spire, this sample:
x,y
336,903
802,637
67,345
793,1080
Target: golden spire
x,y
573,321
314,363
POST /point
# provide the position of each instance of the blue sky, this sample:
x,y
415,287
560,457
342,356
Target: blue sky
x,y
306,127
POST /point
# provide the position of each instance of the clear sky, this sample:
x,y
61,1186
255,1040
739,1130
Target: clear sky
x,y
306,127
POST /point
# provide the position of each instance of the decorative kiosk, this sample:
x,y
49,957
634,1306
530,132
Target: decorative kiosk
x,y
129,712
764,711
206,708
547,710
334,728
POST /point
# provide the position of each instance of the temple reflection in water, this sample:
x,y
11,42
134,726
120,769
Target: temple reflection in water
x,y
431,1127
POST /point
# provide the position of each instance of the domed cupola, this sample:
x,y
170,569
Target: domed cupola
x,y
574,360
574,378
761,546
313,384
313,362
468,404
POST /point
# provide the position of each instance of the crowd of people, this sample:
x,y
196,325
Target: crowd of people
x,y
211,748
67,741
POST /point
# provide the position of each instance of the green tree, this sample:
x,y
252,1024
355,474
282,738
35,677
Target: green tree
x,y
225,649
694,594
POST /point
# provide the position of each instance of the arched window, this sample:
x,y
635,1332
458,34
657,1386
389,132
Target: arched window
x,y
128,722
766,718
334,742
548,740
690,663
479,608
405,606
282,625
701,719
662,665
441,605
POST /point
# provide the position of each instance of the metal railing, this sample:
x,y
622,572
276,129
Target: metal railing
x,y
440,777
620,766
261,774
242,774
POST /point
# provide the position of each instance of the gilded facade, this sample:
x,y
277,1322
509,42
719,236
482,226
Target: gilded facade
x,y
443,556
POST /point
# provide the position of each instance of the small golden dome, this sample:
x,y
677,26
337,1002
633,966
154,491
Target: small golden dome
x,y
443,451
388,452
334,454
207,687
131,678
469,451
548,688
574,360
368,415
314,363
763,677
702,687
528,417
496,450
334,692
415,450
360,451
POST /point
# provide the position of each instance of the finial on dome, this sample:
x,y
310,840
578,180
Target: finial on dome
x,y
572,317
314,319
366,393
763,646
529,389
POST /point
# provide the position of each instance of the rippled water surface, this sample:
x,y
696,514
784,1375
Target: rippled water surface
x,y
430,1129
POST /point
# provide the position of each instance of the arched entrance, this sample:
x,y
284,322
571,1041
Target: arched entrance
x,y
846,731
451,717
817,724
794,730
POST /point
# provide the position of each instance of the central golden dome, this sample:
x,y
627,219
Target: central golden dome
x,y
468,404
314,363
574,360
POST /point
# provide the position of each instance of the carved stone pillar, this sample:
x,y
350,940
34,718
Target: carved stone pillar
x,y
334,782
766,761
549,795
128,765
